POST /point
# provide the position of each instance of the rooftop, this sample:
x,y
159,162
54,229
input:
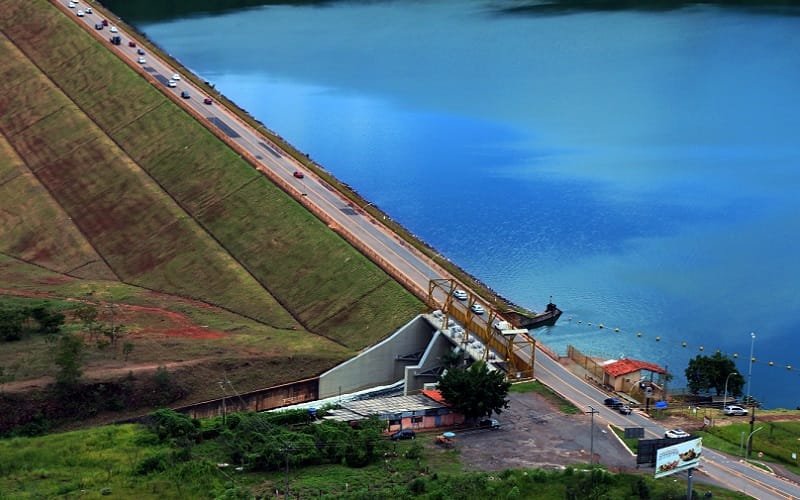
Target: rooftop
x,y
626,366
356,410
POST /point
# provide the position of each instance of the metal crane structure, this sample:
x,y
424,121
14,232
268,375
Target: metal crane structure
x,y
514,346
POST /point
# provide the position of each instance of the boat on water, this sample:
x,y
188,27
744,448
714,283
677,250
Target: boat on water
x,y
533,320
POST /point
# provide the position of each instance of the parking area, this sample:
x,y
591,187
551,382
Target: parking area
x,y
534,433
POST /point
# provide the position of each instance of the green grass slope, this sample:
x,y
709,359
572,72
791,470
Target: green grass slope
x,y
151,153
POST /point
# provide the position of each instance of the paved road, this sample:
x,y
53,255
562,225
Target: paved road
x,y
416,267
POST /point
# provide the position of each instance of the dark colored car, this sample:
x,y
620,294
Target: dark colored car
x,y
104,22
298,174
404,434
185,94
131,44
98,26
208,101
140,52
612,402
625,410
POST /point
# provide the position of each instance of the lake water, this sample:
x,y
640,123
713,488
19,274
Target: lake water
x,y
640,167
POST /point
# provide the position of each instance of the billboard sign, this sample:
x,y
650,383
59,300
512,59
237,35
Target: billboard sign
x,y
678,457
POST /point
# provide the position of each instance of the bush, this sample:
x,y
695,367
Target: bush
x,y
173,426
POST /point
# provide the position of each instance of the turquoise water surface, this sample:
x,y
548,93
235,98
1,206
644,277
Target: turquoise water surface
x,y
640,167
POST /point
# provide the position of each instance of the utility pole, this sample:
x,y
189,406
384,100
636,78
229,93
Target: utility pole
x,y
224,409
592,412
689,483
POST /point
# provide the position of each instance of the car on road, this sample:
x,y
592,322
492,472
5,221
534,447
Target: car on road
x,y
613,402
172,84
131,44
104,22
489,423
460,294
625,410
185,94
71,5
734,410
208,101
113,29
80,13
142,60
676,434
140,52
88,10
477,308
176,77
404,434
298,174
98,26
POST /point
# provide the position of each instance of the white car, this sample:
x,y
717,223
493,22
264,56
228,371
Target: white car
x,y
71,5
676,433
172,84
176,77
113,29
734,410
460,294
142,60
477,308
88,10
80,13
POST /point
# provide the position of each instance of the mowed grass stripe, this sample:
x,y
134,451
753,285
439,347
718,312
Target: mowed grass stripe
x,y
27,210
313,273
117,206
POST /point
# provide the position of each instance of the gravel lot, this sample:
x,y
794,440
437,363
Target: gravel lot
x,y
534,434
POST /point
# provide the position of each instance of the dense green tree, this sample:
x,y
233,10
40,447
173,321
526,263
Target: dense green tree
x,y
475,391
710,372
69,357
10,325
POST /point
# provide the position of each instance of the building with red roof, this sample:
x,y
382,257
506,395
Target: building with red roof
x,y
624,373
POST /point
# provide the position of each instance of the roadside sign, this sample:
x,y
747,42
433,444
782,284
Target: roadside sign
x,y
634,432
678,457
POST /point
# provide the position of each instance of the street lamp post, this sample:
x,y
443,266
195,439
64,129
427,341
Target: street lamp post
x,y
750,370
725,393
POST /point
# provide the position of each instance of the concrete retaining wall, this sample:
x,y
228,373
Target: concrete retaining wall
x,y
378,365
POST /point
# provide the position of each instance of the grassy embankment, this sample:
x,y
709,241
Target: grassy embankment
x,y
108,180
544,391
105,459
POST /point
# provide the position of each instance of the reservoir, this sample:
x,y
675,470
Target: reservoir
x,y
640,167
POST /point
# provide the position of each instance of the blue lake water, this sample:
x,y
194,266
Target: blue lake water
x,y
640,167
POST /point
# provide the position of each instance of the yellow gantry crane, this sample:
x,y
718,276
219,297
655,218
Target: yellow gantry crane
x,y
514,345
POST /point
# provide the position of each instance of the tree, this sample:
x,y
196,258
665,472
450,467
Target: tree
x,y
69,355
710,372
475,391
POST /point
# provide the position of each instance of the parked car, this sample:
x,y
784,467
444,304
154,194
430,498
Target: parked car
x,y
477,308
460,294
625,410
734,410
490,423
676,433
404,434
208,101
185,94
612,402
298,174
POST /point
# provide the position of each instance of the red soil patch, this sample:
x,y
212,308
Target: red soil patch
x,y
148,321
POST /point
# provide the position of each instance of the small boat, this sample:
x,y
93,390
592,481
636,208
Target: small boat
x,y
534,320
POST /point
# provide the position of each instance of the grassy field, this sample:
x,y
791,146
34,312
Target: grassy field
x,y
322,281
104,462
775,442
